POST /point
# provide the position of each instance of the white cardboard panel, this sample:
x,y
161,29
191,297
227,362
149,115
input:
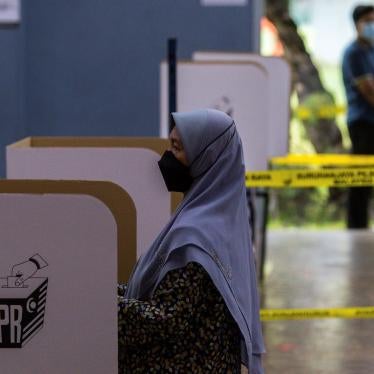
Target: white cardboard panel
x,y
67,316
202,85
279,94
10,11
224,2
134,169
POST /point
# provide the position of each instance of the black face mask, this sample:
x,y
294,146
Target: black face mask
x,y
176,175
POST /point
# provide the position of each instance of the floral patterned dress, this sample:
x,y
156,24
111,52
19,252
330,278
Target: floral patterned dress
x,y
185,328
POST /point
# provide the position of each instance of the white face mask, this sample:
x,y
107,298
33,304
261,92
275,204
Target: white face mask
x,y
368,31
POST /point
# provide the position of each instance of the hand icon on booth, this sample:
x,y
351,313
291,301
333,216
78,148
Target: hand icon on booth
x,y
27,269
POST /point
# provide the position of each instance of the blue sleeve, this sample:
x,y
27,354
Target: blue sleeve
x,y
359,66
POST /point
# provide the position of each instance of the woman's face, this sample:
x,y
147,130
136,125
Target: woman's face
x,y
176,146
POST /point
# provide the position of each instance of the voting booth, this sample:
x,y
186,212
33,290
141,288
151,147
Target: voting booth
x,y
129,162
228,87
253,89
58,275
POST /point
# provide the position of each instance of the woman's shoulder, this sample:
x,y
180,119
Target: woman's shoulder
x,y
191,273
192,268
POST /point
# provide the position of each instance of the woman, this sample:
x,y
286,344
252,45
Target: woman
x,y
191,305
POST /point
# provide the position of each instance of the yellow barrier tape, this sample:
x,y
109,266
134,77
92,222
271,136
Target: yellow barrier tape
x,y
323,160
323,111
292,314
311,178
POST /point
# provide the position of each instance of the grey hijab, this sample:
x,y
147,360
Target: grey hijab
x,y
210,227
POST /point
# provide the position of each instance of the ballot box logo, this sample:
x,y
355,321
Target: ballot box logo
x,y
224,104
23,298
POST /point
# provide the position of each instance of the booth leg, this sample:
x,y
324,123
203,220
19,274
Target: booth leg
x,y
261,230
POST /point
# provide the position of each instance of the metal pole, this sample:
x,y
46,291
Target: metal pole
x,y
265,195
264,222
258,9
172,69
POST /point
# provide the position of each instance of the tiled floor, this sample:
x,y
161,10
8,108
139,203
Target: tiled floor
x,y
318,269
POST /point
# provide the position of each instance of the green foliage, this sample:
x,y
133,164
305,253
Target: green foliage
x,y
304,207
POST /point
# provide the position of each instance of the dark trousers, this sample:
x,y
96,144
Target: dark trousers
x,y
362,137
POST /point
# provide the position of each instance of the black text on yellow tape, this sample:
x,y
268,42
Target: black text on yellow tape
x,y
297,314
335,160
311,178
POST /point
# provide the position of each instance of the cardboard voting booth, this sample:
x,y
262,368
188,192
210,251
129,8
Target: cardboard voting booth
x,y
58,275
253,89
129,162
239,89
